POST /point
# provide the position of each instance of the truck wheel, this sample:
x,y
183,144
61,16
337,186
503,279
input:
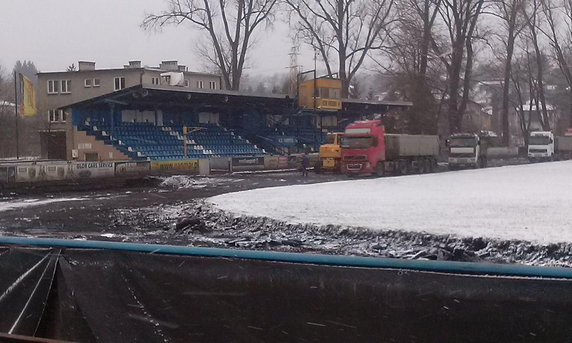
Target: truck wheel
x,y
484,162
403,168
421,166
380,169
428,165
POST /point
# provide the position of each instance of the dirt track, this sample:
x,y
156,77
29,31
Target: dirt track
x,y
91,214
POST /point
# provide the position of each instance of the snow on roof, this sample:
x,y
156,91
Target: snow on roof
x,y
506,203
528,107
6,103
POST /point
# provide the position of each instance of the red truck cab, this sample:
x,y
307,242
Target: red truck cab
x,y
363,148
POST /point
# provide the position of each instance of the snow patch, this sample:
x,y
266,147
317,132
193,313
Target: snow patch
x,y
185,181
12,205
527,202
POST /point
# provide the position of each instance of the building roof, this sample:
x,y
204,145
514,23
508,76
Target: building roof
x,y
156,69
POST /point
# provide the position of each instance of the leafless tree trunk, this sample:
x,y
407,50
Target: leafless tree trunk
x,y
509,12
343,31
559,34
410,50
461,18
522,73
229,25
531,16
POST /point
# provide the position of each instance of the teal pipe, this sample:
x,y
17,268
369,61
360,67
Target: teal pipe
x,y
321,259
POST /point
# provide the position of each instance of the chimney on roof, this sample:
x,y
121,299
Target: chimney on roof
x,y
134,64
169,65
85,66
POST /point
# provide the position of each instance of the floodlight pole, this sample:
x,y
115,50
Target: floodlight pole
x,y
16,112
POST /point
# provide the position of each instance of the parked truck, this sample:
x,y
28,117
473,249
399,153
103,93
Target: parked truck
x,y
563,146
541,146
367,149
467,150
330,153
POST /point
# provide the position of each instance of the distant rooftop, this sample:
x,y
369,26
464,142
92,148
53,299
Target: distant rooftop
x,y
173,66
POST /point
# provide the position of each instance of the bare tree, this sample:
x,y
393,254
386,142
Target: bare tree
x,y
460,17
521,77
229,26
410,50
510,13
532,14
343,31
559,34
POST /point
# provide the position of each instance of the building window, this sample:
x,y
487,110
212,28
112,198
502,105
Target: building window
x,y
154,80
87,83
96,83
53,86
199,84
65,86
119,83
187,83
212,84
57,116
91,156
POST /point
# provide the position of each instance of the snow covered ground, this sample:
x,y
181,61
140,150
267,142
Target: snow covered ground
x,y
527,202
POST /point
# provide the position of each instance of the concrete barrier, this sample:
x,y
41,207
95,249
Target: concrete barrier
x,y
220,164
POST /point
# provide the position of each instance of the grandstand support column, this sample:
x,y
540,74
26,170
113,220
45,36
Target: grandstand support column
x,y
112,115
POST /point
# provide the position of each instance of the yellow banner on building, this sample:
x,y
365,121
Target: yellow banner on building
x,y
29,97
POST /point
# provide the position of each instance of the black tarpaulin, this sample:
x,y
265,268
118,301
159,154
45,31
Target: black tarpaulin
x,y
117,296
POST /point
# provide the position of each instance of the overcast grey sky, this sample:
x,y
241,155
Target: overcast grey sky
x,y
56,33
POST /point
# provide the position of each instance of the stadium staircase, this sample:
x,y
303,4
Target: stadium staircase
x,y
148,141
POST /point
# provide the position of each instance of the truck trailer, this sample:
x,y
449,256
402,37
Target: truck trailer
x,y
367,149
563,147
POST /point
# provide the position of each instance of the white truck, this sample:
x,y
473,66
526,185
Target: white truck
x,y
467,150
541,146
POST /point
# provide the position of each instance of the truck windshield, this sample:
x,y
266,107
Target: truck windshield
x,y
356,142
330,139
539,140
463,142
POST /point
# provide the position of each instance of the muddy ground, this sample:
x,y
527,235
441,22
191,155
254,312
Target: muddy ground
x,y
172,211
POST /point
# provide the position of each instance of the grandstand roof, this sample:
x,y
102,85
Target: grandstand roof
x,y
169,96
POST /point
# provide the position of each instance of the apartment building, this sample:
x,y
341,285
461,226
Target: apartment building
x,y
57,89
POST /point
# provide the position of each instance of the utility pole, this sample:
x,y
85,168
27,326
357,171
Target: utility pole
x,y
294,68
16,112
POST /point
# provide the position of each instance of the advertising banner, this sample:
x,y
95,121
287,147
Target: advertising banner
x,y
84,170
190,166
132,168
247,163
271,162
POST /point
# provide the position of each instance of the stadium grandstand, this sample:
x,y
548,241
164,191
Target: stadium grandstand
x,y
170,123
